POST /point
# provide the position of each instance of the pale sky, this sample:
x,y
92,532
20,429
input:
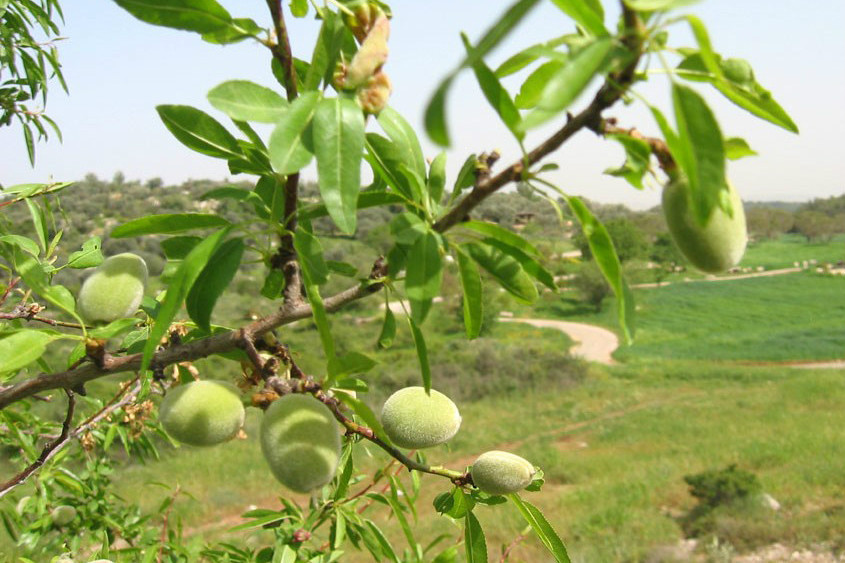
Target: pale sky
x,y
118,69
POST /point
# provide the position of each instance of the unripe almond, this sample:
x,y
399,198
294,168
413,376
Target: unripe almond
x,y
415,419
62,515
202,413
115,289
719,244
300,439
501,473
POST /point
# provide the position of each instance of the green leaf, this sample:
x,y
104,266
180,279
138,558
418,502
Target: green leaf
x,y
703,160
388,328
326,51
351,363
89,257
34,275
310,251
435,112
26,244
342,268
404,138
527,56
288,152
496,95
565,86
657,5
589,14
424,274
422,354
387,163
437,178
532,89
39,221
202,16
472,297
366,199
167,224
542,528
500,233
407,228
299,8
338,133
176,248
531,266
237,30
461,505
312,290
474,541
114,328
507,271
212,281
637,160
365,413
756,99
386,548
736,148
199,131
601,245
20,348
184,278
246,101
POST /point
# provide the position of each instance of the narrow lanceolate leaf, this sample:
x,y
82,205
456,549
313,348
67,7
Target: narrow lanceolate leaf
x,y
213,280
167,224
474,541
32,272
601,245
754,99
507,271
437,179
199,131
39,221
502,234
388,328
246,101
532,89
21,348
424,274
288,151
562,89
495,93
542,528
404,138
309,250
201,16
435,112
184,278
338,137
589,14
704,162
472,302
422,354
531,266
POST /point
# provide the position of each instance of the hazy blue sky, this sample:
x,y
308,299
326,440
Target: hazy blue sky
x,y
119,69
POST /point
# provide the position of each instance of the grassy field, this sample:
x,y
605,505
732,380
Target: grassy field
x,y
614,450
789,317
789,249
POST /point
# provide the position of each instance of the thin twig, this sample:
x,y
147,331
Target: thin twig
x,y
47,451
281,48
506,553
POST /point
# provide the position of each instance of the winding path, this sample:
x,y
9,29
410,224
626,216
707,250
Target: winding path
x,y
593,343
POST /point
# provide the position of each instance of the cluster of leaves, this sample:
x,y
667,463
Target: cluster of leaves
x,y
320,117
28,64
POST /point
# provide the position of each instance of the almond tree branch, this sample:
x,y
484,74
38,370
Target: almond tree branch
x,y
281,48
610,92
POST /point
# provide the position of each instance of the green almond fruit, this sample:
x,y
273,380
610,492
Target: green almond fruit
x,y
202,413
62,515
501,473
115,289
719,244
415,419
300,440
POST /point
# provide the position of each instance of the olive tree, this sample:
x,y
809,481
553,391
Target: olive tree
x,y
334,109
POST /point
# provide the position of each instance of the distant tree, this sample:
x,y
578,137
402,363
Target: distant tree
x,y
591,285
815,225
768,222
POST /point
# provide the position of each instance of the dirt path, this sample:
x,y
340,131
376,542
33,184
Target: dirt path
x,y
593,343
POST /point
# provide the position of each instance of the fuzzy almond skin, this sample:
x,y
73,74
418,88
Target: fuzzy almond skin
x,y
202,413
115,289
715,247
501,473
416,420
63,515
300,440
